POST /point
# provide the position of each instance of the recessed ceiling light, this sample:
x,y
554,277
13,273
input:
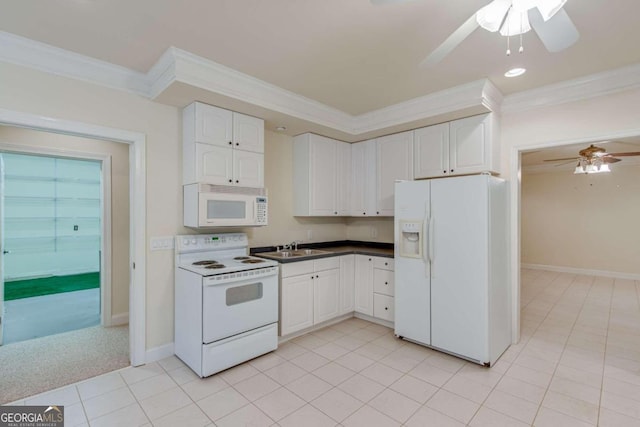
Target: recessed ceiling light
x,y
281,128
515,72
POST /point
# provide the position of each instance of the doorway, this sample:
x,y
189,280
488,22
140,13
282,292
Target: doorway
x,y
52,230
628,141
137,167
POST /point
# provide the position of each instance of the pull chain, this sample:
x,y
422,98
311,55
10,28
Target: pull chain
x,y
508,47
521,48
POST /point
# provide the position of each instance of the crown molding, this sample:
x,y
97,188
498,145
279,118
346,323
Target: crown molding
x,y
179,66
478,93
49,59
582,88
209,75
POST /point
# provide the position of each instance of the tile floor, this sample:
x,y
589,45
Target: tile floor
x,y
578,364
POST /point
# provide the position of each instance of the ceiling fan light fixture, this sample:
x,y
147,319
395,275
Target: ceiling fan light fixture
x,y
491,16
548,8
516,23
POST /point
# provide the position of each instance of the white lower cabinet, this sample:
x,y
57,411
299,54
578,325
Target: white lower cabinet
x,y
374,286
310,293
297,304
347,278
364,284
314,291
326,295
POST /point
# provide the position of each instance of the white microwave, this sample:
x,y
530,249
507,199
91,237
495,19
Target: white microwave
x,y
207,205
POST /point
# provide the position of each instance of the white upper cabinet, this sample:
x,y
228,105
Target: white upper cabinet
x,y
394,161
213,125
222,147
320,168
431,151
364,178
459,147
248,133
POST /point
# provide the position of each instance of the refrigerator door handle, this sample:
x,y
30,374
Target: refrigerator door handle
x,y
432,254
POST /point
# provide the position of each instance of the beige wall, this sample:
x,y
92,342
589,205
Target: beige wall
x,y
370,229
559,124
43,94
119,196
582,121
582,221
283,226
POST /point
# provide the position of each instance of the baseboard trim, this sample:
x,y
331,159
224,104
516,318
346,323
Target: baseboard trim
x,y
120,319
159,353
374,320
572,270
296,334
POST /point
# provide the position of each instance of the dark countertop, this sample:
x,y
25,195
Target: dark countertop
x,y
334,248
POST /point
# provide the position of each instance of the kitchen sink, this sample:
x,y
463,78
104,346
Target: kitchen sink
x,y
309,252
294,254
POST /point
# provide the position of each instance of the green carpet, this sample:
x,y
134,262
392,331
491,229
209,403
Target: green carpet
x,y
18,289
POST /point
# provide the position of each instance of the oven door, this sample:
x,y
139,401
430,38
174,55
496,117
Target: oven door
x,y
238,302
220,209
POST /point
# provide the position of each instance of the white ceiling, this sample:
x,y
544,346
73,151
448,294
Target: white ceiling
x,y
347,54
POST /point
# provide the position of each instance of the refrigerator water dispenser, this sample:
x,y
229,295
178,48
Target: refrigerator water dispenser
x,y
411,239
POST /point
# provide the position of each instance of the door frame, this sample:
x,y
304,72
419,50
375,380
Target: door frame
x,y
137,208
105,208
515,178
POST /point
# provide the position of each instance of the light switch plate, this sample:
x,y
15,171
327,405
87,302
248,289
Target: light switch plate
x,y
161,243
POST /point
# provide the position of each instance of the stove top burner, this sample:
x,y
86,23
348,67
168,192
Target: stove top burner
x,y
240,258
205,262
252,261
214,266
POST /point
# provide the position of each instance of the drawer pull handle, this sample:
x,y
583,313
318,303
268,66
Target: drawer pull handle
x,y
386,283
386,308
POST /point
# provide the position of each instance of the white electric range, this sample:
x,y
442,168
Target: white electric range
x,y
226,302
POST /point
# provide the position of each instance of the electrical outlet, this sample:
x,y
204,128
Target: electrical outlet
x,y
374,232
161,243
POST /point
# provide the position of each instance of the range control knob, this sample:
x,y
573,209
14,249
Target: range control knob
x,y
185,242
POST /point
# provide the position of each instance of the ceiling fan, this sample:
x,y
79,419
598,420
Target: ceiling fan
x,y
511,17
594,159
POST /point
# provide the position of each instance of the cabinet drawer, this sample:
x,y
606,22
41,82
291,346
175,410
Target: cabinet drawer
x,y
296,268
383,307
326,263
383,263
383,282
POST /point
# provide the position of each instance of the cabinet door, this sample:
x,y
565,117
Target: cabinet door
x,y
364,284
347,277
297,304
323,171
363,178
383,282
248,169
248,133
394,161
214,165
469,145
213,125
343,178
431,151
326,295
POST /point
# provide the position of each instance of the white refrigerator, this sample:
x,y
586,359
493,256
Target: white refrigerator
x,y
451,268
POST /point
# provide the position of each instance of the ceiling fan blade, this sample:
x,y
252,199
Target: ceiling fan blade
x,y
379,2
566,158
608,159
564,163
632,153
451,42
558,33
